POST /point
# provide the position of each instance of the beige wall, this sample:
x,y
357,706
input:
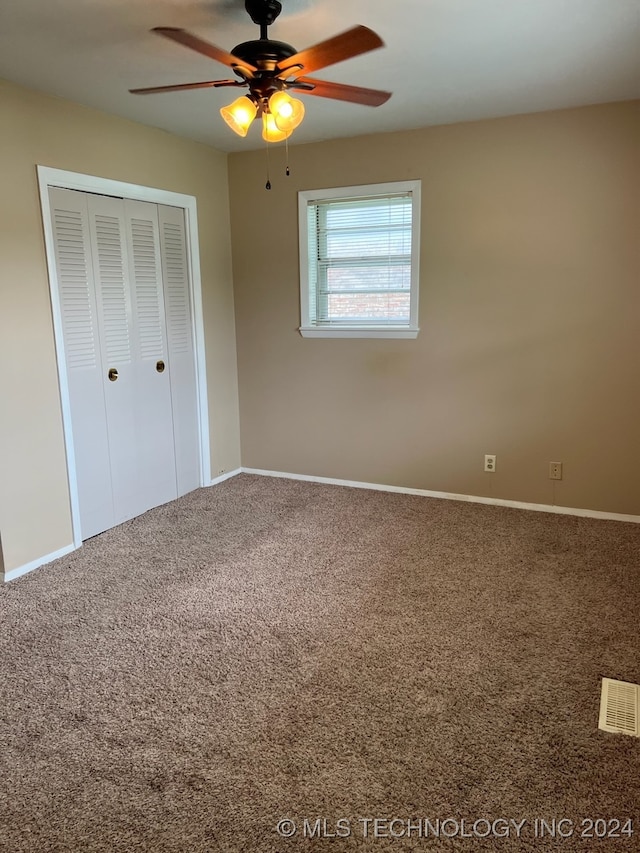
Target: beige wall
x,y
530,301
529,310
35,129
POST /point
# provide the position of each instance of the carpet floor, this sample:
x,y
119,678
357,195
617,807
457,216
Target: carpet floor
x,y
270,650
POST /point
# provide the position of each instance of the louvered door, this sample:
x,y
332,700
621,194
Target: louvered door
x,y
111,263
78,311
132,385
178,307
152,412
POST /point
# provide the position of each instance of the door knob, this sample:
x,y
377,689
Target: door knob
x,y
160,366
112,374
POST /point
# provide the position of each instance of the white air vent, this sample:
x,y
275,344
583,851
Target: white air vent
x,y
619,707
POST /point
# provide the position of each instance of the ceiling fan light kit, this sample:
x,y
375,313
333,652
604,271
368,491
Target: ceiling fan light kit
x,y
287,112
268,68
270,130
240,114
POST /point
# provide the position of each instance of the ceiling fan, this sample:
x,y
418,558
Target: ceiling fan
x,y
269,68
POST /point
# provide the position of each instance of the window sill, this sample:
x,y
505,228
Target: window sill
x,y
358,332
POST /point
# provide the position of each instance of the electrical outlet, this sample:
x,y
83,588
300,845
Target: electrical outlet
x,y
490,462
555,470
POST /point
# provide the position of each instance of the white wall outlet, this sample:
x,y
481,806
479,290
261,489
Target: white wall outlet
x,y
490,462
555,470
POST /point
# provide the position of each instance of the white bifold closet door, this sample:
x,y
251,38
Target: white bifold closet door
x,y
125,308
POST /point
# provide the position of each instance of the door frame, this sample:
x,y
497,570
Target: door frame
x,y
49,177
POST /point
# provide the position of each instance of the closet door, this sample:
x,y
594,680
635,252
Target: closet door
x,y
116,327
126,315
152,408
184,397
83,357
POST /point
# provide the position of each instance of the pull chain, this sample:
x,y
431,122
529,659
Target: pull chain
x,y
286,145
267,186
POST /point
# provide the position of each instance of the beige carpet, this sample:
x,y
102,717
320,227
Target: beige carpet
x,y
268,649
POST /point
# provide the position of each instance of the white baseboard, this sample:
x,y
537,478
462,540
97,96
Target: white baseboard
x,y
226,476
559,510
449,496
35,564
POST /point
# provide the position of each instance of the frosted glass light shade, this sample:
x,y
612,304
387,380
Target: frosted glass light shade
x,y
270,131
287,112
240,114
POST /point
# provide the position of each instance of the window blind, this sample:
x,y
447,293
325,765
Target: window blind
x,y
360,260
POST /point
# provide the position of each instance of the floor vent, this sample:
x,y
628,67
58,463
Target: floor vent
x,y
619,707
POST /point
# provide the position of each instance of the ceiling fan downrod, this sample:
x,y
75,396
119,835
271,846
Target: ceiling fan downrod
x,y
263,13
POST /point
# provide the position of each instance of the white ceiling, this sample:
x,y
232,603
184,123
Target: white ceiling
x,y
444,60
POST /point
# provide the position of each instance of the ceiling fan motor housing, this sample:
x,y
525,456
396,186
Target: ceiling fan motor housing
x,y
264,54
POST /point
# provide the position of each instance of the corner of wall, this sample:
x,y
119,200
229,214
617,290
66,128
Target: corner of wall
x,y
2,571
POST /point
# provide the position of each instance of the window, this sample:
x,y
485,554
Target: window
x,y
359,254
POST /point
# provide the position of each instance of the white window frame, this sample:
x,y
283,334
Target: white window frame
x,y
405,330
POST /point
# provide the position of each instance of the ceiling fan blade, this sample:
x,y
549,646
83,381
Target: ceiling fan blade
x,y
340,92
203,47
179,87
351,43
